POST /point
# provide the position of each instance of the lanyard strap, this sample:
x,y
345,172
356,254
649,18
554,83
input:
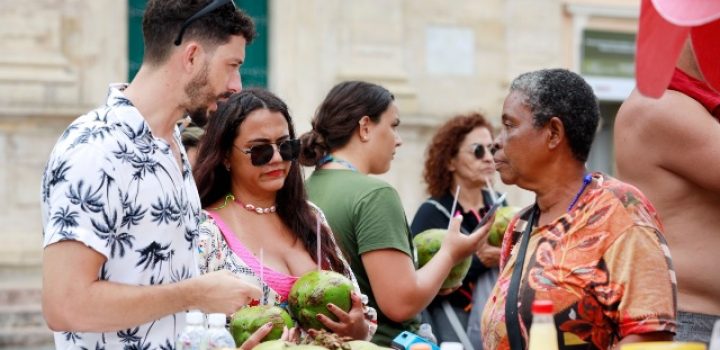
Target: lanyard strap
x,y
330,158
512,320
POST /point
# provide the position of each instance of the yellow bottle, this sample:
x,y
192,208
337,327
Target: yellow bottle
x,y
663,345
543,335
420,346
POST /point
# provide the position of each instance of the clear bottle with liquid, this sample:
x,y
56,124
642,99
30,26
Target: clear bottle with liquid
x,y
426,332
192,336
451,345
715,337
543,334
217,336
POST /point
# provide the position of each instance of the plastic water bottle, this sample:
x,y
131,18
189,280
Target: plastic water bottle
x,y
715,337
193,335
543,335
217,336
426,332
451,345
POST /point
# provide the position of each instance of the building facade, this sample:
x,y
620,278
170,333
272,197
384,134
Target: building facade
x,y
439,58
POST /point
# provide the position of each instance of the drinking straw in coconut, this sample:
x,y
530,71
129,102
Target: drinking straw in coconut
x,y
262,279
454,205
317,240
493,195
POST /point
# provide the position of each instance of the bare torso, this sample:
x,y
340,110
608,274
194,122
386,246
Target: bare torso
x,y
689,211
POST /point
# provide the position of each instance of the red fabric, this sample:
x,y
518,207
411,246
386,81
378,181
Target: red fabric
x,y
658,46
664,26
697,90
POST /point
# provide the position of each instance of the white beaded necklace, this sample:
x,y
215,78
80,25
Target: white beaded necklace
x,y
256,209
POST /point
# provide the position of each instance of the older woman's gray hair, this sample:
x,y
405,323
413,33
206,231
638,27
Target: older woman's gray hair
x,y
561,93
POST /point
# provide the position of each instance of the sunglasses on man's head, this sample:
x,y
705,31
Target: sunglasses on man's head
x,y
263,153
212,6
479,150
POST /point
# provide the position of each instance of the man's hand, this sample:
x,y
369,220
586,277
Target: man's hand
x,y
350,324
221,291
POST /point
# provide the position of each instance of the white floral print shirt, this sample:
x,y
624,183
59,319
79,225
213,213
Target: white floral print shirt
x,y
116,188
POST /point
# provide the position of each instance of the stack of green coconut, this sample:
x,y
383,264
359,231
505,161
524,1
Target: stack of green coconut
x,y
308,297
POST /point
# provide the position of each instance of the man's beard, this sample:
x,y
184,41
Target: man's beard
x,y
200,97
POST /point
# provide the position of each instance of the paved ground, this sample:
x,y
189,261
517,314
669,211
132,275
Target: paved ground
x,y
21,323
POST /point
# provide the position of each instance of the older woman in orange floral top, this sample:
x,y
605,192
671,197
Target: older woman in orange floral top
x,y
594,246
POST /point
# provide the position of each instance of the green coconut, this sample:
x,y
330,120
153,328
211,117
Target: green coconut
x,y
427,244
273,345
502,219
248,319
312,292
362,345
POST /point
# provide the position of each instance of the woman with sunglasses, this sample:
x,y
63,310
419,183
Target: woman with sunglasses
x,y
459,155
354,135
258,221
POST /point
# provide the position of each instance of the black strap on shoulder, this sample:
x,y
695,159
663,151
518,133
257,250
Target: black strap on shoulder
x,y
512,321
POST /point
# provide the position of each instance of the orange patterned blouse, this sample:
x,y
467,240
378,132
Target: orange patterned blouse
x,y
605,265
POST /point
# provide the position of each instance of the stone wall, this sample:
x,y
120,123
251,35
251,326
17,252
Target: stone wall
x,y
58,57
439,58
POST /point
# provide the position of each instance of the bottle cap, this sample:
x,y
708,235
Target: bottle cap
x,y
194,317
217,319
451,345
542,306
420,346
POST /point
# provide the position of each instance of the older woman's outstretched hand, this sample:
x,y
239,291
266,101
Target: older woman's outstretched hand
x,y
460,245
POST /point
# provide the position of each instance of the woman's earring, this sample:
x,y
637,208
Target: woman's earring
x,y
227,167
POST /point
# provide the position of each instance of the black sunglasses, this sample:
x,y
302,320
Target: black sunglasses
x,y
261,154
479,150
212,6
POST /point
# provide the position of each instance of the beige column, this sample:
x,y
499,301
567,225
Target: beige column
x,y
58,57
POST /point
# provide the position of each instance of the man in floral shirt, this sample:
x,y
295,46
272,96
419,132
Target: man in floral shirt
x,y
119,204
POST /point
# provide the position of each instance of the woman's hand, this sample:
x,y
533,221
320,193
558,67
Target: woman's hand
x,y
488,254
350,324
448,291
290,335
257,336
458,245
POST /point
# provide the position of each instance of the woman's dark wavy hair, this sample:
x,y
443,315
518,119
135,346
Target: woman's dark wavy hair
x,y
338,117
444,146
213,179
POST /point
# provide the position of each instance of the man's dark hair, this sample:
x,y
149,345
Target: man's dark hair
x,y
163,18
563,94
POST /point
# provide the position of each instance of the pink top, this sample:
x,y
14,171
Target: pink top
x,y
278,281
